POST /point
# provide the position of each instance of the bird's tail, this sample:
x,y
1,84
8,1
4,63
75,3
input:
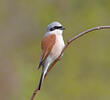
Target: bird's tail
x,y
44,71
41,80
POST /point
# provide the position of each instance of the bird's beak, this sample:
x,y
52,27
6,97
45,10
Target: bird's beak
x,y
62,28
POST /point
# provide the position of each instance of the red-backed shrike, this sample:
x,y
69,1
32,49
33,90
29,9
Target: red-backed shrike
x,y
52,45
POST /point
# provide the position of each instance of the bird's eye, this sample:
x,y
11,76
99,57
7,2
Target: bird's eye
x,y
51,29
55,27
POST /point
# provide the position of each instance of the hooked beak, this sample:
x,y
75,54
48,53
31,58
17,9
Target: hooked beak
x,y
62,28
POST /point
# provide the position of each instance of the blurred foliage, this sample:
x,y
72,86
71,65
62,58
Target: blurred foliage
x,y
84,71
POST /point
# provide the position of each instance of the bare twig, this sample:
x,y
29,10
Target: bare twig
x,y
67,44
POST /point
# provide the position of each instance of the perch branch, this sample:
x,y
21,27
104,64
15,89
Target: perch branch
x,y
67,44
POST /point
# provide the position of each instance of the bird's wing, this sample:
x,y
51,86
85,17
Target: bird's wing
x,y
47,45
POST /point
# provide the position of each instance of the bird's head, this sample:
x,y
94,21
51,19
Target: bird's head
x,y
55,27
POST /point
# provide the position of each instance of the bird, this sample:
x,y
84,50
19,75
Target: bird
x,y
52,45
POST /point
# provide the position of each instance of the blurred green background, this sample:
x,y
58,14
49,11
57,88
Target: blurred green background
x,y
84,71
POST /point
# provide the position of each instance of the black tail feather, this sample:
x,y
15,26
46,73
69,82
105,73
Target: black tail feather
x,y
41,80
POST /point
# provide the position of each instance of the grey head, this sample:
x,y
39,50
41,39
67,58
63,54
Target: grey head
x,y
54,26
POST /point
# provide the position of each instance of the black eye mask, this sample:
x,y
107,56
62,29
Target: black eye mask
x,y
56,27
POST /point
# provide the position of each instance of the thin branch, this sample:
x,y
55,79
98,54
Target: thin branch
x,y
67,44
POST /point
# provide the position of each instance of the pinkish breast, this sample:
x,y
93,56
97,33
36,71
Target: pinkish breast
x,y
57,48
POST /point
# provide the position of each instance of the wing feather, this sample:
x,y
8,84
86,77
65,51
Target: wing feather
x,y
47,45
